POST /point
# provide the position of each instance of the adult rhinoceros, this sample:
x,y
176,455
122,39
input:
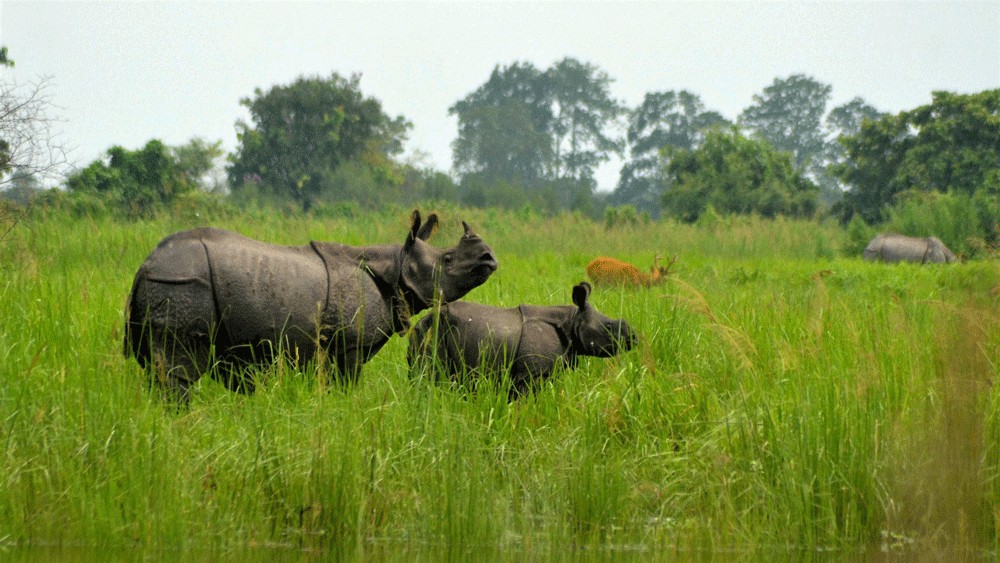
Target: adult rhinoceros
x,y
527,342
891,247
208,294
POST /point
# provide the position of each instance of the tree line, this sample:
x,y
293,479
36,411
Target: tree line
x,y
532,137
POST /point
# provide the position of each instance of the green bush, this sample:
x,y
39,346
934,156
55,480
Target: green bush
x,y
858,236
967,224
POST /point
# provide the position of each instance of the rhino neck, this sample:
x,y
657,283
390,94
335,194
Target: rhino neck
x,y
384,264
560,318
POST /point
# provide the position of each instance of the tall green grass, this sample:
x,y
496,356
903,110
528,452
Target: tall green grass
x,y
783,400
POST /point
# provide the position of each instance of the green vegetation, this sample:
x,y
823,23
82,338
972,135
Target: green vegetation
x,y
302,134
784,401
947,146
734,174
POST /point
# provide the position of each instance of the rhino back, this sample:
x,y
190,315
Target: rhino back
x,y
480,336
897,248
523,339
264,291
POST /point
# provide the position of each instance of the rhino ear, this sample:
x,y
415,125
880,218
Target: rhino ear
x,y
428,228
414,227
581,292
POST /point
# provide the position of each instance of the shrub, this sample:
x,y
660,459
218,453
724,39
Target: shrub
x,y
967,224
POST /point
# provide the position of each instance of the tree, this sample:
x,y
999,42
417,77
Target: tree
x,y
949,145
789,114
735,174
196,160
23,188
28,144
301,133
139,182
583,110
842,121
544,131
504,128
664,119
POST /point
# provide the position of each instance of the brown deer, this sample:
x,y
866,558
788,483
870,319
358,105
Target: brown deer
x,y
612,271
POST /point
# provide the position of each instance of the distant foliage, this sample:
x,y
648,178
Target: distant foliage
x,y
966,224
137,182
789,114
859,234
623,216
664,119
536,134
950,145
300,135
735,174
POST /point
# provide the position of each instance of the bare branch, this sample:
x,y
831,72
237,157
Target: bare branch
x,y
29,145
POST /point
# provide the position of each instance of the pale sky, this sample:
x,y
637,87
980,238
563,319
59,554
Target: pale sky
x,y
125,73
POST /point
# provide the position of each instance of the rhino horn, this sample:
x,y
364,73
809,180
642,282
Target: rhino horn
x,y
469,233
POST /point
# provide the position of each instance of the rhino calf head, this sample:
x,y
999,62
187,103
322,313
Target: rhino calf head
x,y
525,343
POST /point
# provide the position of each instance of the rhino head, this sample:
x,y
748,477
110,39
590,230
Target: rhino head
x,y
427,271
594,334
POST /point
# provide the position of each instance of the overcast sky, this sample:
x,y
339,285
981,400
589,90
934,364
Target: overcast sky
x,y
125,73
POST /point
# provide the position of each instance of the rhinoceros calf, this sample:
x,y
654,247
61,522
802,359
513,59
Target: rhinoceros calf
x,y
207,295
527,342
891,247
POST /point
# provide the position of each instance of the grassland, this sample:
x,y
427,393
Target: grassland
x,y
784,402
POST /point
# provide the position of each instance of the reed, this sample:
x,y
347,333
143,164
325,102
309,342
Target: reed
x,y
782,400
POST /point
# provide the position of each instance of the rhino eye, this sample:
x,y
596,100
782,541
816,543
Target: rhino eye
x,y
447,258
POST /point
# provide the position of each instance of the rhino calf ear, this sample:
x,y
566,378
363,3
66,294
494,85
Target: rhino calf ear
x,y
428,228
414,227
581,292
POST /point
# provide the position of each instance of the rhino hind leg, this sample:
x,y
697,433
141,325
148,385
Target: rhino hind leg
x,y
170,332
176,363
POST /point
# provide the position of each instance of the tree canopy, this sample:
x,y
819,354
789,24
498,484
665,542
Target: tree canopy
x,y
300,134
664,119
949,145
537,129
138,181
789,114
584,111
503,128
735,174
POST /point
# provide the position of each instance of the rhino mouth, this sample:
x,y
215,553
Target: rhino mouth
x,y
481,272
623,339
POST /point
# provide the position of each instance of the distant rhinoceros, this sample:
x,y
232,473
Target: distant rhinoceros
x,y
208,294
899,248
527,342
